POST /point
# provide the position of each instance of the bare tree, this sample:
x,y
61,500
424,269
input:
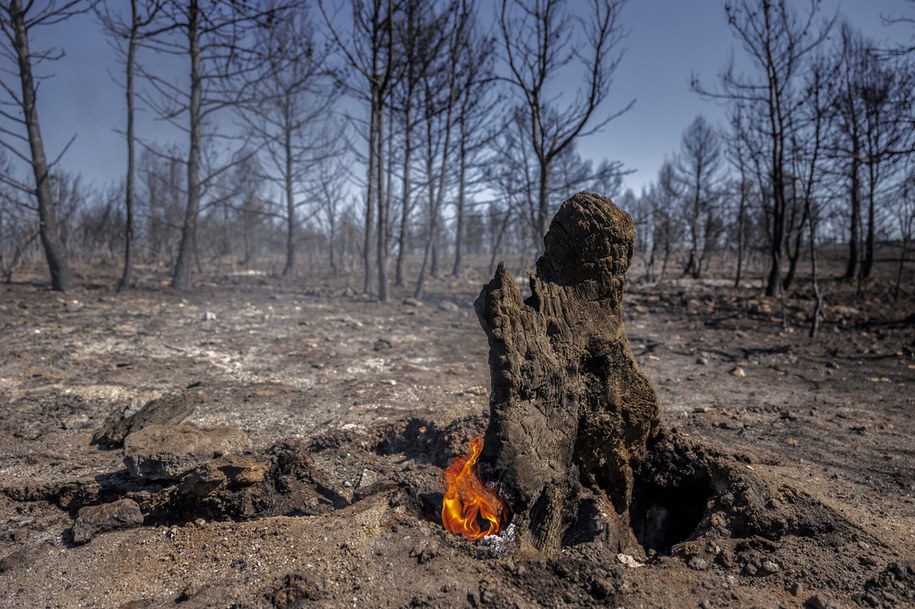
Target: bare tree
x,y
127,36
905,217
698,171
777,40
888,92
540,40
419,37
741,186
290,99
17,21
369,52
807,144
476,105
216,37
663,196
440,92
163,192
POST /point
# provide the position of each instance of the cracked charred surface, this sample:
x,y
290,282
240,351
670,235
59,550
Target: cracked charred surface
x,y
569,406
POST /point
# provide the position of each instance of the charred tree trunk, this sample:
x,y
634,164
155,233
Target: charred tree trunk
x,y
181,277
570,408
49,228
126,279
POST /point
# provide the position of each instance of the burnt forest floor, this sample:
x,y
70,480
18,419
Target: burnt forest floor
x,y
381,395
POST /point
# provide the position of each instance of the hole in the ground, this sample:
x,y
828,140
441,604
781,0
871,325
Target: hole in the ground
x,y
669,499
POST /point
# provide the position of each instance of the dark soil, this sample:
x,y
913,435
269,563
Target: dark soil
x,y
788,479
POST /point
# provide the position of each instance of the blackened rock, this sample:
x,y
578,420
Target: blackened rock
x,y
226,472
168,452
169,409
95,519
13,561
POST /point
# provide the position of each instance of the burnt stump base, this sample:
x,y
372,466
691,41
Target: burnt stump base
x,y
571,411
574,437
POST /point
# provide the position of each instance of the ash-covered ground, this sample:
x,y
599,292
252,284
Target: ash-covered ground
x,y
338,413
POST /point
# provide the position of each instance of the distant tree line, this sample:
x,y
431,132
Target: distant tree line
x,y
818,147
350,135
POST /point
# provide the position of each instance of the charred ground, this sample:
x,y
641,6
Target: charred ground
x,y
354,406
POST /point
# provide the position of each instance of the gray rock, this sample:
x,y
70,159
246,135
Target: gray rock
x,y
75,421
699,564
95,519
167,452
169,409
449,306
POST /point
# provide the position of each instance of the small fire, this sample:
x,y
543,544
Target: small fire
x,y
468,501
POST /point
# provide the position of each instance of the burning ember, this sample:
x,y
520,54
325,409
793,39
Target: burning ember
x,y
468,502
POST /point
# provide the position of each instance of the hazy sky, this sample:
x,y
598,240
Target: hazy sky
x,y
667,41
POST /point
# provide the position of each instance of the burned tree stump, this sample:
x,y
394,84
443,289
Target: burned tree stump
x,y
570,407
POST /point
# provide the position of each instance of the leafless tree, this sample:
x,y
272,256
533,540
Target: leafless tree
x,y
127,34
291,96
163,190
888,93
538,38
777,40
662,200
905,217
17,22
369,53
216,37
741,185
807,171
476,108
440,93
419,39
871,131
846,134
698,169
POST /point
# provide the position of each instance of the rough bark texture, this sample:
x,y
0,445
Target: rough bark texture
x,y
570,407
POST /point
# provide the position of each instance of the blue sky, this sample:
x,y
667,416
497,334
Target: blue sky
x,y
667,41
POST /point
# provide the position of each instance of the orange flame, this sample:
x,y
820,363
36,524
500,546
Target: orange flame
x,y
468,501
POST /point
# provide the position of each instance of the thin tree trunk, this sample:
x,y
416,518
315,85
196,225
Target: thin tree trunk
x,y
741,214
459,231
54,251
543,205
854,230
289,268
382,241
868,264
814,278
404,236
371,195
125,282
182,275
439,196
497,243
905,249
